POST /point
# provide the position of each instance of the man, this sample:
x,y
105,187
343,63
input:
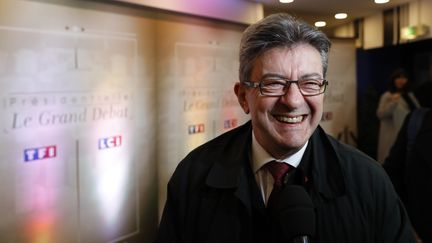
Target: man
x,y
219,192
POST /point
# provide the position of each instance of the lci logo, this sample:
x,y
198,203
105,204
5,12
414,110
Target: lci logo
x,y
47,152
197,128
110,142
327,116
230,123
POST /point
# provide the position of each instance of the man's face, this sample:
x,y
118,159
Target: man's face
x,y
282,125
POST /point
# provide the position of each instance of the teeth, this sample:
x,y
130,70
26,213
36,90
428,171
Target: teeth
x,y
289,119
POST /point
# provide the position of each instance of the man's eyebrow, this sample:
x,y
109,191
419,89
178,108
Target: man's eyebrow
x,y
275,75
311,75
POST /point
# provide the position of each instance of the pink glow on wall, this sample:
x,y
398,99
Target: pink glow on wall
x,y
40,228
245,12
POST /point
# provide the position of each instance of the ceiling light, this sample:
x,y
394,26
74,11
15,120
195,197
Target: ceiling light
x,y
286,1
341,16
320,23
381,1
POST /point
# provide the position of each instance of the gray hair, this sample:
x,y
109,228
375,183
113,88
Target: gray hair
x,y
279,30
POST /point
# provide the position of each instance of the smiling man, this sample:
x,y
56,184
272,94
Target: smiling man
x,y
224,191
288,112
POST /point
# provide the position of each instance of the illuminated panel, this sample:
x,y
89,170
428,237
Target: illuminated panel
x,y
45,190
108,196
67,175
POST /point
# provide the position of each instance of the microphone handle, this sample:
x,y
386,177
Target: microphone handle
x,y
302,239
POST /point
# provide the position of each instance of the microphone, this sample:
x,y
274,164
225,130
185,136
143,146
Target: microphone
x,y
295,215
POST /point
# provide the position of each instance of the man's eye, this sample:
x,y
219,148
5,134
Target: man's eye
x,y
273,83
310,83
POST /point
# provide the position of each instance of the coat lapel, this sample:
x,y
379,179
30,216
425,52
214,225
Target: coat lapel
x,y
230,170
328,178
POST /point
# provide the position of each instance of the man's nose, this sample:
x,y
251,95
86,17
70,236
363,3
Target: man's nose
x,y
292,96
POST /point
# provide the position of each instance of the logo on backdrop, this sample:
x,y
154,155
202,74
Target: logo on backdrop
x,y
327,116
197,128
32,154
230,123
110,142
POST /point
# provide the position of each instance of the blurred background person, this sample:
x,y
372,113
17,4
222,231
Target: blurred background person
x,y
409,164
393,107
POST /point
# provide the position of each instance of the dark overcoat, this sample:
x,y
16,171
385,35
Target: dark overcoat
x,y
412,177
210,197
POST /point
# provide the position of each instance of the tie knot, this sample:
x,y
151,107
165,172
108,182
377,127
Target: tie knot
x,y
278,170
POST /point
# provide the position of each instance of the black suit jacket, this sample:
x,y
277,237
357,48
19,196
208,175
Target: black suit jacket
x,y
211,197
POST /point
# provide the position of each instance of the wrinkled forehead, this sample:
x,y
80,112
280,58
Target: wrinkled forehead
x,y
290,62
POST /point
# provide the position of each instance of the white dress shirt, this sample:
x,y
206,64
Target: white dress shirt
x,y
263,177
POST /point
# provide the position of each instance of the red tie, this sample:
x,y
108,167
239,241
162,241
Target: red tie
x,y
278,171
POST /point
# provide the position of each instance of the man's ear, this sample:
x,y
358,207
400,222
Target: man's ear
x,y
240,92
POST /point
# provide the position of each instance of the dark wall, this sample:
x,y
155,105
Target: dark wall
x,y
373,70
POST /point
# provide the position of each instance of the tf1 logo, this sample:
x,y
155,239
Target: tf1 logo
x,y
197,128
110,142
47,152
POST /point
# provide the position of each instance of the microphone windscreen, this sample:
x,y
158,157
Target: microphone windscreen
x,y
294,212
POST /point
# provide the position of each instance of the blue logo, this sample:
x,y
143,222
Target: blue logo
x,y
33,154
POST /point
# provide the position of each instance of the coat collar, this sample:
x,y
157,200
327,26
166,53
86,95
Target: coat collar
x,y
230,169
326,165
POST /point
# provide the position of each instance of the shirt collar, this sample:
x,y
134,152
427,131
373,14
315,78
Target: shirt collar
x,y
260,156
